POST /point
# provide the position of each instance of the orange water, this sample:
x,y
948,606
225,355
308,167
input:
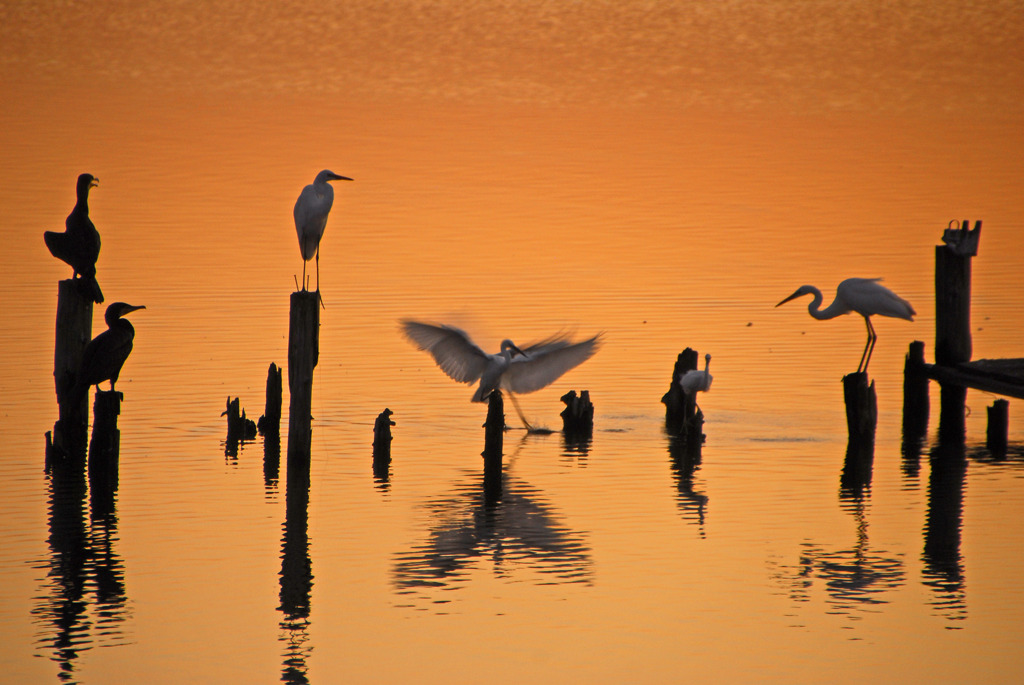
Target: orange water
x,y
660,173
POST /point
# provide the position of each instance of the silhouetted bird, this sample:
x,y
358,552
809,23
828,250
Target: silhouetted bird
x,y
311,210
79,245
106,353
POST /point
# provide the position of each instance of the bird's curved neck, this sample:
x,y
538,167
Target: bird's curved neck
x,y
829,312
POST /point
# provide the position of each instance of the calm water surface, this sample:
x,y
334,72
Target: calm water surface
x,y
662,173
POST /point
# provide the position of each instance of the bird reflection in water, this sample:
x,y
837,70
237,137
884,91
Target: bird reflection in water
x,y
855,579
83,561
943,569
516,533
686,459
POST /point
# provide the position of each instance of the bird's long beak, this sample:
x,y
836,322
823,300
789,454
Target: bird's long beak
x,y
519,351
95,182
341,178
132,308
794,295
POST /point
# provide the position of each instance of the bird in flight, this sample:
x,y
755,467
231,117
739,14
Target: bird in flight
x,y
514,369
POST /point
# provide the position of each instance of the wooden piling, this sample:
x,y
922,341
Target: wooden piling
x,y
303,355
861,407
998,427
916,405
952,415
105,449
73,333
680,409
953,296
382,443
270,422
494,432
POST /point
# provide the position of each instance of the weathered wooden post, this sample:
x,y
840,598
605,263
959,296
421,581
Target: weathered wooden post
x,y
73,333
952,415
998,427
916,405
303,355
105,448
382,443
953,294
861,407
680,408
494,432
270,422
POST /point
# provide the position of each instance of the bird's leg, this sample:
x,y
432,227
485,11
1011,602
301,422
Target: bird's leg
x,y
869,347
529,428
318,295
303,274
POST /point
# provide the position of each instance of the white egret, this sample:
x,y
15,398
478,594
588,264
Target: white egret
x,y
513,369
696,381
867,297
311,210
79,244
105,354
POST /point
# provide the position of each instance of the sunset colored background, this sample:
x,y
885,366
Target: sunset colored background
x,y
663,173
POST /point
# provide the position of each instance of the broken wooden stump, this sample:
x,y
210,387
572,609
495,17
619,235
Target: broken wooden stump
x,y
861,407
681,408
303,355
270,421
578,415
998,427
382,443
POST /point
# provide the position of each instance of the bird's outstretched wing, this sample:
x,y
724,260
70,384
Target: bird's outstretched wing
x,y
546,361
451,348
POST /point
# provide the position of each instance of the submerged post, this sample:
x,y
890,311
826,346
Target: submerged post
x,y
998,427
270,422
73,333
303,355
953,294
382,443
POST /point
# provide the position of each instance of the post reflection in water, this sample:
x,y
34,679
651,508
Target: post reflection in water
x,y
943,569
296,576
686,458
82,559
856,579
515,530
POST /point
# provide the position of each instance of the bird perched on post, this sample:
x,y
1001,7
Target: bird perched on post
x,y
514,369
107,352
867,297
311,210
695,381
79,244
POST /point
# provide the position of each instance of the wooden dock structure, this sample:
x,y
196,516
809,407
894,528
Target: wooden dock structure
x,y
953,368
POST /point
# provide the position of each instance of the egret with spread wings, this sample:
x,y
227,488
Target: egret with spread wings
x,y
516,370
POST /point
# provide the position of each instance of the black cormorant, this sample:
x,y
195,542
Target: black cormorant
x,y
79,245
106,353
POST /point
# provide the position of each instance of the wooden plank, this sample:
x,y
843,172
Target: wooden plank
x,y
998,376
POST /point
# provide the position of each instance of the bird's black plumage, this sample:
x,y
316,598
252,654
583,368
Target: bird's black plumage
x,y
79,244
107,352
